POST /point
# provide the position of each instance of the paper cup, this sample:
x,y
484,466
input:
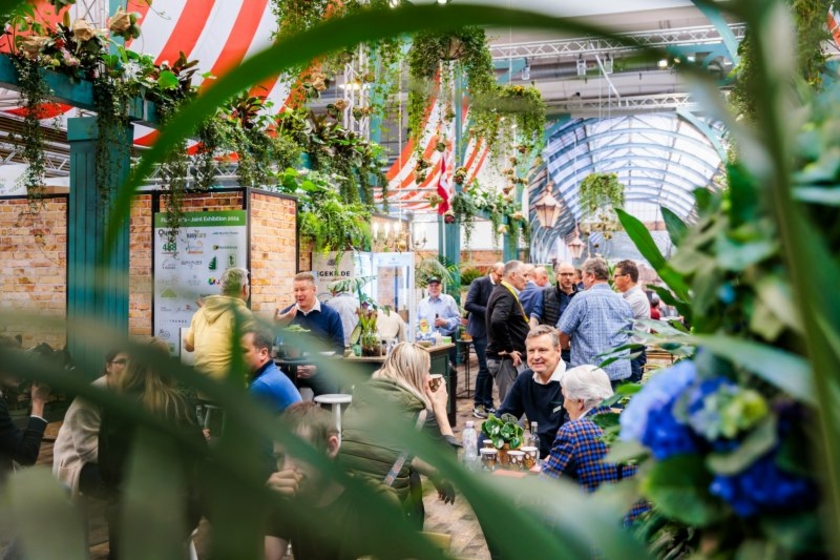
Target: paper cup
x,y
435,382
531,456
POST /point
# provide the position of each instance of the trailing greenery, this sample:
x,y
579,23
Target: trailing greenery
x,y
599,195
467,48
325,219
34,91
506,112
810,17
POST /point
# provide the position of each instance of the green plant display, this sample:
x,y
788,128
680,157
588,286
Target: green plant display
x,y
770,244
468,275
509,111
467,49
504,430
599,195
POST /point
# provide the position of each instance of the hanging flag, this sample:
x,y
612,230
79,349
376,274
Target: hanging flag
x,y
443,187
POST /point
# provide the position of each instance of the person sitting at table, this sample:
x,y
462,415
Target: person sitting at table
x,y
76,450
321,519
578,451
267,384
16,445
155,391
536,392
325,331
402,384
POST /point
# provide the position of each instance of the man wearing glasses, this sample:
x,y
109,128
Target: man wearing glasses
x,y
626,278
554,301
596,321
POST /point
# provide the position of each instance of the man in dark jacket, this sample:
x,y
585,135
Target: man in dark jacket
x,y
16,445
555,299
476,304
507,327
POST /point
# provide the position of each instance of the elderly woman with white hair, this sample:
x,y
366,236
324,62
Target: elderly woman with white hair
x,y
578,451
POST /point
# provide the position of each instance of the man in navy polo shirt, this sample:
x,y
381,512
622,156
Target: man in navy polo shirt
x,y
268,384
324,326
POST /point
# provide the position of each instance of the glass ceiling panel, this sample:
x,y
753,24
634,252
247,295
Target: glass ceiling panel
x,y
659,157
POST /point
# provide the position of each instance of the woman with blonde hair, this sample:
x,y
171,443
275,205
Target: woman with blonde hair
x,y
144,381
401,385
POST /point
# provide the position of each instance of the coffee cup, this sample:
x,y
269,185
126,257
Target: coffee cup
x,y
516,459
531,456
488,444
435,381
488,459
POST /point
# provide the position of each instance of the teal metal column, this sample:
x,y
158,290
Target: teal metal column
x,y
450,244
97,283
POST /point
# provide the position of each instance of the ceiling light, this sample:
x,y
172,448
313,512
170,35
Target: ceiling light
x,y
581,67
663,64
394,3
608,65
691,58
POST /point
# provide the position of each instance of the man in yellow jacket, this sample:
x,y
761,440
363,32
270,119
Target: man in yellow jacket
x,y
219,324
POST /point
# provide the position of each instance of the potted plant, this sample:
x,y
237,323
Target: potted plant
x,y
600,195
505,433
467,49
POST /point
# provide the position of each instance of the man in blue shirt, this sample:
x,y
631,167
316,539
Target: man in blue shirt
x,y
532,291
596,321
268,383
441,312
324,330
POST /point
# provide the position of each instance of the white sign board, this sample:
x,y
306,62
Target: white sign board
x,y
352,265
191,266
11,179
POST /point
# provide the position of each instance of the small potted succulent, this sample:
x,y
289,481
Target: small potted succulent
x,y
505,433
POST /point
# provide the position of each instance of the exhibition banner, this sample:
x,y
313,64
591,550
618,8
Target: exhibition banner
x,y
189,265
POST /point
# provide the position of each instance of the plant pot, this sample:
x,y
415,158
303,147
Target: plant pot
x,y
503,455
370,344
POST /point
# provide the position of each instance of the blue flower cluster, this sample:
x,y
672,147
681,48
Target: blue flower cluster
x,y
649,418
764,486
697,426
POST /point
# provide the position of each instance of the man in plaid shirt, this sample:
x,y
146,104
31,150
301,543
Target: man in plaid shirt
x,y
596,321
578,450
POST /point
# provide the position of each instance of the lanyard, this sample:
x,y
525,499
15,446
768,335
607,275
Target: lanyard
x,y
513,293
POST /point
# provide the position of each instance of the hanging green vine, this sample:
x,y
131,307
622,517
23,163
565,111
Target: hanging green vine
x,y
467,48
599,195
812,32
34,91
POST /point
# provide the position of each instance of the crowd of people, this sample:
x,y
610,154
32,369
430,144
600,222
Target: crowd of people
x,y
540,344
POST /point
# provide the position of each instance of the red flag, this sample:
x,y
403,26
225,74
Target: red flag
x,y
443,187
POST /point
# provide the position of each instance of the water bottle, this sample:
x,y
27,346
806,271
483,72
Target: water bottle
x,y
534,440
469,441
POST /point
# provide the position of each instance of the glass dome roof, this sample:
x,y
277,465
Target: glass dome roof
x,y
660,158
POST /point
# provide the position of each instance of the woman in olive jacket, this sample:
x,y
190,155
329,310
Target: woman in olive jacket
x,y
401,386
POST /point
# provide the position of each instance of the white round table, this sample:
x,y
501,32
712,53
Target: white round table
x,y
335,400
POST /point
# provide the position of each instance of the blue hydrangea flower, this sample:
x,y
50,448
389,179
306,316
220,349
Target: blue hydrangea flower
x,y
703,416
665,436
763,487
658,394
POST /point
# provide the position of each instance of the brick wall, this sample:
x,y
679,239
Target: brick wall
x,y
140,267
33,268
273,252
33,252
